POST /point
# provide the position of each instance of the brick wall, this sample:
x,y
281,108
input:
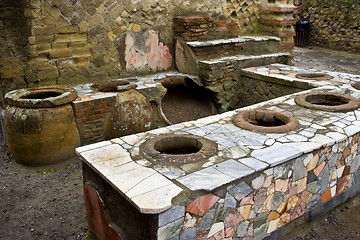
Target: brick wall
x,y
92,116
277,18
198,28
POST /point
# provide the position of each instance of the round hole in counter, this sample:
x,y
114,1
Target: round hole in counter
x,y
327,101
314,76
178,149
265,121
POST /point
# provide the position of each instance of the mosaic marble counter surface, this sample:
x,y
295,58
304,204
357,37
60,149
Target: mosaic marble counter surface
x,y
254,183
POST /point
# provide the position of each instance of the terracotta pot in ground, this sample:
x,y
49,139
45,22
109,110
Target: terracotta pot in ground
x,y
132,112
40,125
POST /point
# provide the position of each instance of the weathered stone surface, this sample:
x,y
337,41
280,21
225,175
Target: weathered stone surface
x,y
171,230
206,221
299,170
230,201
241,190
202,204
171,215
241,230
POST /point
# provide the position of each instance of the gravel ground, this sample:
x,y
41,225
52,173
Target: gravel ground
x,y
41,203
47,203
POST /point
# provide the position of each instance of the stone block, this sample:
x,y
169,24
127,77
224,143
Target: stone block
x,y
44,39
38,57
60,53
44,47
62,37
67,29
57,46
32,12
43,30
78,37
82,61
48,74
76,45
11,71
44,65
85,52
54,12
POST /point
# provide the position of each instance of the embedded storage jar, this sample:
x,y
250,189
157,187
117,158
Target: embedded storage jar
x,y
131,113
177,149
327,101
40,126
184,101
265,121
313,76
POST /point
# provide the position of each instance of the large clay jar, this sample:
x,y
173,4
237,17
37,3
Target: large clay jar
x,y
132,112
40,126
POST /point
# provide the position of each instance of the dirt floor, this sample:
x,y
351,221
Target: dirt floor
x,y
43,203
48,203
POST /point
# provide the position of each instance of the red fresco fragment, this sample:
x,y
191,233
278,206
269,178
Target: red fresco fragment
x,y
201,204
97,221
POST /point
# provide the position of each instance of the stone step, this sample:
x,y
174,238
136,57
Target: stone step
x,y
227,68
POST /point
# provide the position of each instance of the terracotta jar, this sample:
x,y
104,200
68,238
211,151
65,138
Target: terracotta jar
x,y
40,125
132,112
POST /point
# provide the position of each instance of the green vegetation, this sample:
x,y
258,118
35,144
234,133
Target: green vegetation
x,y
256,31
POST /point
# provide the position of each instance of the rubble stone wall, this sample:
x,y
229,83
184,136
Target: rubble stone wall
x,y
45,42
334,24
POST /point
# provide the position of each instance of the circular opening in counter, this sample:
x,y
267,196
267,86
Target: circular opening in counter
x,y
265,121
41,97
178,145
177,149
327,101
356,85
314,76
114,86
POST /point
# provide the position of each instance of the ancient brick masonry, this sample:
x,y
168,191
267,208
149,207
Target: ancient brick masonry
x,y
91,115
277,18
199,28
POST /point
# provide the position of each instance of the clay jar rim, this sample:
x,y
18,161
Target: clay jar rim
x,y
26,97
205,149
114,85
241,120
349,103
313,76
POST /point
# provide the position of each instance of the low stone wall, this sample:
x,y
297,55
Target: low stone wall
x,y
334,24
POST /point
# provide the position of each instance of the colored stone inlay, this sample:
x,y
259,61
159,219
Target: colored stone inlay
x,y
202,204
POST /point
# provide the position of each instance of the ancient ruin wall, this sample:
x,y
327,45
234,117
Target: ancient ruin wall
x,y
335,24
46,42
